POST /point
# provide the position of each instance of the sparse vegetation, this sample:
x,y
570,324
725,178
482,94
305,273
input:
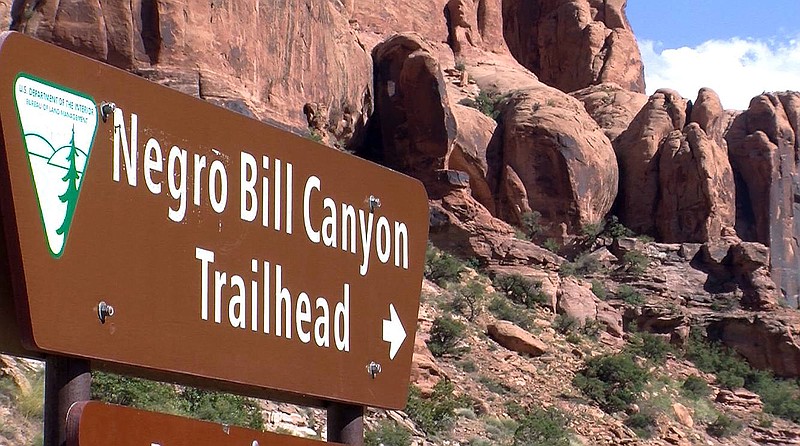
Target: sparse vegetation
x,y
542,427
520,290
582,266
649,346
501,308
695,387
724,426
629,295
487,103
780,397
613,381
442,268
445,335
599,289
467,299
494,386
643,422
551,245
635,262
185,401
314,135
616,229
387,433
436,414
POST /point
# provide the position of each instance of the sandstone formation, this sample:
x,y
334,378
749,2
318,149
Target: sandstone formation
x,y
566,165
675,180
516,339
768,342
763,152
250,62
696,192
574,44
611,106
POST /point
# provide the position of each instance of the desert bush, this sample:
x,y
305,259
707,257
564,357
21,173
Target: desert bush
x,y
487,103
695,387
501,308
583,265
629,295
542,427
445,334
436,414
612,381
616,229
599,289
467,299
520,289
649,346
643,423
724,426
635,262
442,268
387,433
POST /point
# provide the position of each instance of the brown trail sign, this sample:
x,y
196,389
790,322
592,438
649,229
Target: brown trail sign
x,y
150,229
97,424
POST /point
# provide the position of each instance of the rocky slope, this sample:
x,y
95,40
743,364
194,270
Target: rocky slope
x,y
520,118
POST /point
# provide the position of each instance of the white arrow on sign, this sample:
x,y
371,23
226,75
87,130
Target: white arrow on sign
x,y
393,332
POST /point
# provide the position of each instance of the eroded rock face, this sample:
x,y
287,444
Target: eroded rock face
x,y
415,122
696,192
636,150
763,152
560,156
573,44
611,106
769,342
232,53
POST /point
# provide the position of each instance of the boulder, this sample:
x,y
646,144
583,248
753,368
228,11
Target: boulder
x,y
516,339
468,154
560,156
576,300
682,414
575,43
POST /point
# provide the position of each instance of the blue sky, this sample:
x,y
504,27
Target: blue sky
x,y
738,48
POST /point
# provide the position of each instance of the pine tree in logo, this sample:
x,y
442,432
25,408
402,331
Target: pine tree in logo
x,y
70,196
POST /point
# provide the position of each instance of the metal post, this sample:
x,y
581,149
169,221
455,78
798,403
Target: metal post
x,y
67,381
346,424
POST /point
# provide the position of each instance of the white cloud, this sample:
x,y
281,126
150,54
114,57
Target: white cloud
x,y
737,69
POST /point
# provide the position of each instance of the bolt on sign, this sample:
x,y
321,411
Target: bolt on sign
x,y
96,424
151,229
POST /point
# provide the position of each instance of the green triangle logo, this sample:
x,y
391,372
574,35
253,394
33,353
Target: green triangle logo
x,y
58,127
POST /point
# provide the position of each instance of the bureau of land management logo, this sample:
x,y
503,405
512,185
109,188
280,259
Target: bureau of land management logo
x,y
58,127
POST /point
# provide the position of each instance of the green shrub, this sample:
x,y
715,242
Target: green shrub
x,y
467,299
629,295
185,401
467,366
531,224
501,308
486,103
613,381
643,422
520,289
436,414
780,397
583,265
599,289
494,386
616,229
565,324
551,245
635,262
542,427
221,408
724,426
388,433
441,268
695,387
445,334
650,346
